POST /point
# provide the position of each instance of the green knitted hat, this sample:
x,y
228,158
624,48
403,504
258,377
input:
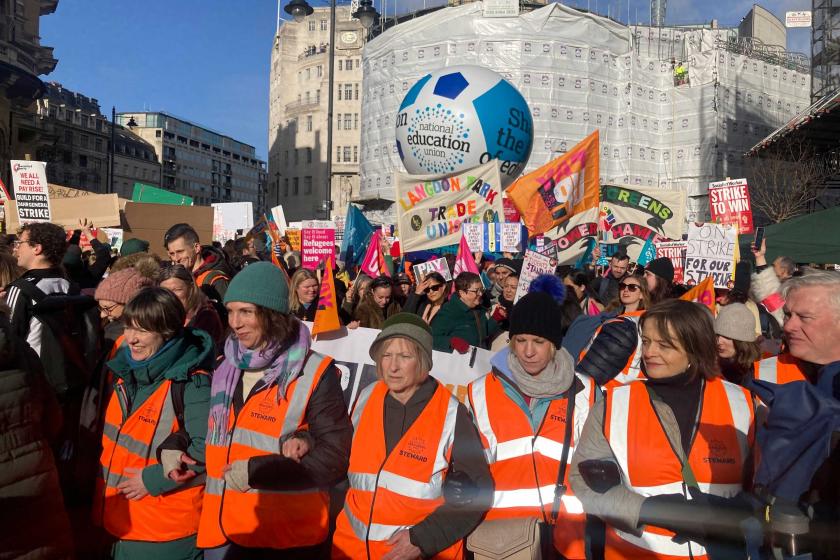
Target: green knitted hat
x,y
407,325
262,284
133,245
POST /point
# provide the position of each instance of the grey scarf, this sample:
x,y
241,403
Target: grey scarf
x,y
555,379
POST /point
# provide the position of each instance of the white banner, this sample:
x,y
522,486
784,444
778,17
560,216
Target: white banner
x,y
32,195
350,352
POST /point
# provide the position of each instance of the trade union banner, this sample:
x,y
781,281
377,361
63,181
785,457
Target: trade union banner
x,y
431,209
350,350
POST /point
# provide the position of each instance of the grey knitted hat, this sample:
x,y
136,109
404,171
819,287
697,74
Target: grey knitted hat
x,y
736,321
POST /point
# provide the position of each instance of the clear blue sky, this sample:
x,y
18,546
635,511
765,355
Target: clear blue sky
x,y
208,60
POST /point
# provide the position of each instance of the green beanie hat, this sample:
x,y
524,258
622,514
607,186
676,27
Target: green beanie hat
x,y
132,246
406,325
262,284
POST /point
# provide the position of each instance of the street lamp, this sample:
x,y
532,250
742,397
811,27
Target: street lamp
x,y
299,9
366,14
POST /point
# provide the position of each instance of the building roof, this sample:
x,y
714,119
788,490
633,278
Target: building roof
x,y
58,94
818,125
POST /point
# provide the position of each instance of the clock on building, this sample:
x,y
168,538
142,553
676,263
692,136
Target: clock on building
x,y
349,37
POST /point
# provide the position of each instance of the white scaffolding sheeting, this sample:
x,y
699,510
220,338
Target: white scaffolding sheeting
x,y
580,72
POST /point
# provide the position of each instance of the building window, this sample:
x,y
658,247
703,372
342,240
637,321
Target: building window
x,y
339,92
84,121
347,117
285,158
296,158
338,154
355,154
358,62
82,161
356,92
286,187
340,65
295,186
348,92
311,25
338,122
320,70
307,185
323,25
355,121
99,125
307,97
308,73
68,157
85,140
309,123
68,115
97,164
98,144
68,136
318,95
346,154
308,155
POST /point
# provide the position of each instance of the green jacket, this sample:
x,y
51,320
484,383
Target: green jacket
x,y
176,361
455,319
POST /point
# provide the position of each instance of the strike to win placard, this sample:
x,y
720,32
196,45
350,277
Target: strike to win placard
x,y
729,203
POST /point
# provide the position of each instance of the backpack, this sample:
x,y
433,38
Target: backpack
x,y
71,338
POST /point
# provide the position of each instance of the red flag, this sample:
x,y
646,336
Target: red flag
x,y
464,261
326,316
371,263
704,293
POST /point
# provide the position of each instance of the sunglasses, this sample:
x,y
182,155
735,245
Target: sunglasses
x,y
434,288
629,287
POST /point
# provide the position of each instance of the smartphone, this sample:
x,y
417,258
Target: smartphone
x,y
759,237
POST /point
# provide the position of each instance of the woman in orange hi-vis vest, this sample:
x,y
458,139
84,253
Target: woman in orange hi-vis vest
x,y
278,433
419,482
663,461
530,411
161,388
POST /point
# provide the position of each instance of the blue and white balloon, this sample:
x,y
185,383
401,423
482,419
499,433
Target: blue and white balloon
x,y
460,117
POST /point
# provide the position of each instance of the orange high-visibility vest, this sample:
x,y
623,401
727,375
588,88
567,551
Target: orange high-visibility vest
x,y
632,370
116,347
265,518
780,369
650,466
132,443
395,491
525,465
201,279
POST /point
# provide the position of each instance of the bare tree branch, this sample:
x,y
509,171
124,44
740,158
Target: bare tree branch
x,y
785,182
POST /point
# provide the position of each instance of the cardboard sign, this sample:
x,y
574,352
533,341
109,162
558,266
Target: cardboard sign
x,y
431,209
294,238
533,265
317,245
675,252
711,252
101,209
729,203
438,265
32,198
150,222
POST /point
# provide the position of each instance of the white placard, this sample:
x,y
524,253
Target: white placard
x,y
438,265
533,265
317,224
32,195
236,215
798,19
711,252
279,218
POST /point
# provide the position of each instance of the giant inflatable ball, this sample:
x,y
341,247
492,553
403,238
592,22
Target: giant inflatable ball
x,y
460,117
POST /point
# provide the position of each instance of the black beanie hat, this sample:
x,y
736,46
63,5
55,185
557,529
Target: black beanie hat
x,y
663,268
538,314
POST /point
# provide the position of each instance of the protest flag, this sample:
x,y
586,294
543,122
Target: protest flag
x,y
357,232
464,261
370,264
559,189
326,315
704,293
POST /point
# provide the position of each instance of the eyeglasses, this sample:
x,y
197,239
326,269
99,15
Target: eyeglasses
x,y
17,242
476,291
434,288
629,287
109,309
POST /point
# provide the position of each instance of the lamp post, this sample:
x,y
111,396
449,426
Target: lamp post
x,y
366,14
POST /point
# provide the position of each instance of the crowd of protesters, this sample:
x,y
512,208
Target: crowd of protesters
x,y
170,405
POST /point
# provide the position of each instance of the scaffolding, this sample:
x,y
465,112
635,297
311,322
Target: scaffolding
x,y
825,48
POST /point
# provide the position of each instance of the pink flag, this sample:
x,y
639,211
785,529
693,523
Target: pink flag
x,y
370,264
464,262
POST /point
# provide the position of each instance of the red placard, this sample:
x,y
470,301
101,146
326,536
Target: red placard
x,y
729,203
675,252
511,213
